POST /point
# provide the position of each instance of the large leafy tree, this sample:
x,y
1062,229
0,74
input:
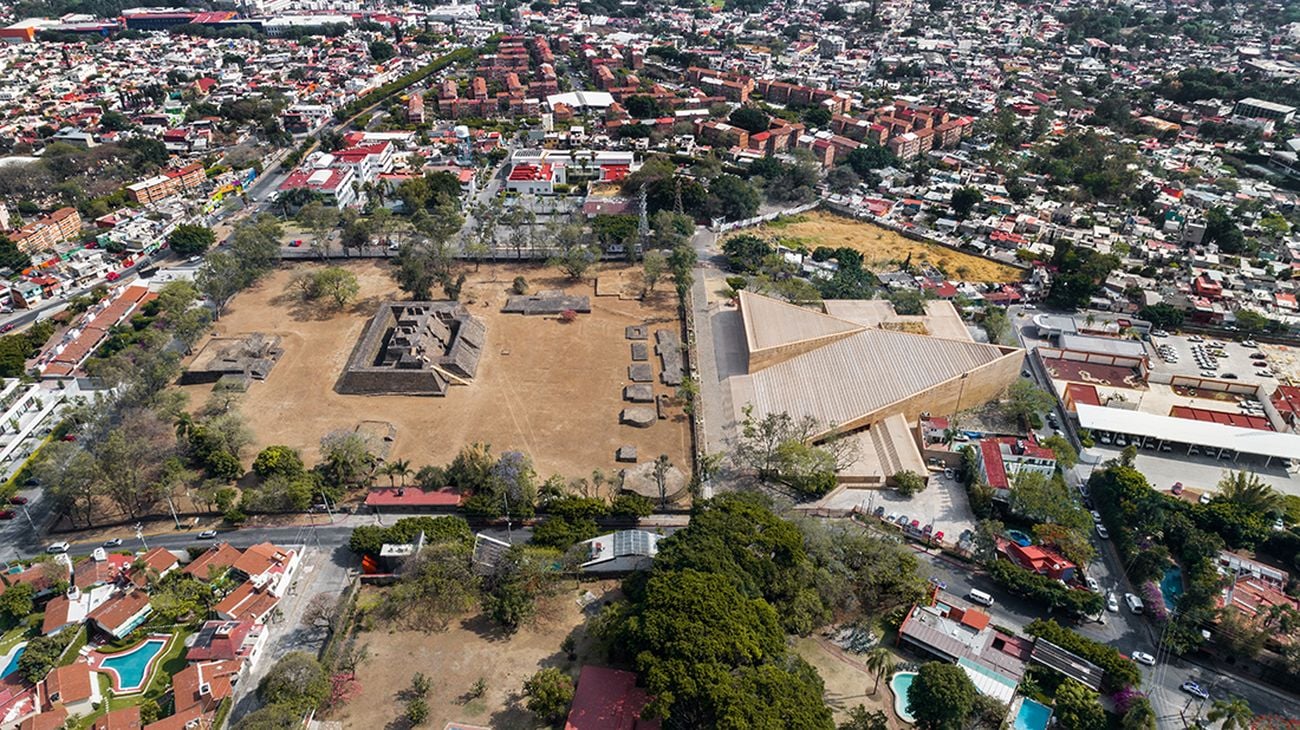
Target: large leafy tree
x,y
941,697
1079,708
690,631
296,681
190,240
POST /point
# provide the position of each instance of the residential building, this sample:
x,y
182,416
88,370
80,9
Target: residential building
x,y
169,182
122,614
1000,459
44,233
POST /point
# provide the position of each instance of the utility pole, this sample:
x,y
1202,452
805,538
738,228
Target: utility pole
x,y
139,535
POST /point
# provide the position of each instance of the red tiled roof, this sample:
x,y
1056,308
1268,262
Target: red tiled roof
x,y
411,497
608,699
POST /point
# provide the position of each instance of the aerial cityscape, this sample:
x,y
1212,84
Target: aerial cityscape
x,y
623,365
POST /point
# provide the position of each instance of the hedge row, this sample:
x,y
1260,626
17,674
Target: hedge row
x,y
392,87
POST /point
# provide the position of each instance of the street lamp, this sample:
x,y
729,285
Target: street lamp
x,y
139,535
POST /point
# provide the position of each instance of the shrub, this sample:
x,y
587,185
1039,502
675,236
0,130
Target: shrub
x,y
631,506
549,693
520,285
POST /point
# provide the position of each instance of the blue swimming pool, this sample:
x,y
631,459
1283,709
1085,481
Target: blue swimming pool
x,y
1032,716
12,666
130,668
900,683
1020,538
1171,586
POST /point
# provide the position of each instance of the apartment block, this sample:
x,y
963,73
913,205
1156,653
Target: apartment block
x,y
43,234
170,182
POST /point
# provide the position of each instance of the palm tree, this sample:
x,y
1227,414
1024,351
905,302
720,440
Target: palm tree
x,y
1235,714
184,425
880,662
1245,490
401,468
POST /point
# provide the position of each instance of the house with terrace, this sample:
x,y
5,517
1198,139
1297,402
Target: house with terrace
x,y
122,614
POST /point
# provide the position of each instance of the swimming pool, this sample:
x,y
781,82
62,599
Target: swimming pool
x,y
1032,716
1171,586
1020,538
129,669
12,666
900,683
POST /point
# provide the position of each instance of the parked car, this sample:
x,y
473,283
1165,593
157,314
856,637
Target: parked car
x,y
207,534
1133,602
1102,532
1141,657
1194,690
113,542
1112,603
17,500
57,547
7,514
1092,584
1177,488
1096,517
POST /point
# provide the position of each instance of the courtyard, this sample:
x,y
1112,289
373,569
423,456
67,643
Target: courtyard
x,y
549,388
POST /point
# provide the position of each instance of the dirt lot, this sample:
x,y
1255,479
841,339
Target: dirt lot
x,y
456,658
848,683
550,389
884,249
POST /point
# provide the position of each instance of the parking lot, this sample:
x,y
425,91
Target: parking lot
x,y
943,505
1234,363
1198,473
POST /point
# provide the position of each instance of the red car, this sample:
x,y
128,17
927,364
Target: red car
x,y
6,514
17,500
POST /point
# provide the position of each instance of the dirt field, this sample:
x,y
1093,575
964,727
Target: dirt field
x,y
549,389
848,683
456,658
884,249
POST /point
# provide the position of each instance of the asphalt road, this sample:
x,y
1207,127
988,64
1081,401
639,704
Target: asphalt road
x,y
1124,630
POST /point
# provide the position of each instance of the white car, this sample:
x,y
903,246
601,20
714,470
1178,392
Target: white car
x,y
1102,532
1112,603
1096,516
58,547
1093,585
207,534
1141,657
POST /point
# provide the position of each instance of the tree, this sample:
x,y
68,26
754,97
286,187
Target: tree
x,y
296,681
908,483
278,460
273,717
941,697
843,179
746,252
190,240
1234,713
220,278
10,257
437,585
549,693
381,51
1025,400
40,656
1078,707
1247,491
751,119
1162,315
1066,456
336,284
867,158
1139,716
653,266
1043,498
964,200
347,457
417,711
1222,231
320,219
732,198
16,603
1252,322
880,662
575,262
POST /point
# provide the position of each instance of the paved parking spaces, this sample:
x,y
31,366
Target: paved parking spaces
x,y
1199,473
943,504
1236,359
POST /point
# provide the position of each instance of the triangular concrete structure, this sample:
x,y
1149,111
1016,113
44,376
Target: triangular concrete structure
x,y
776,331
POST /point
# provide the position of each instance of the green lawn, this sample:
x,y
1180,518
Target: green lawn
x,y
173,661
15,636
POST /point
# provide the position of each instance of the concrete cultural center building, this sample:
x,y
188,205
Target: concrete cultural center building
x,y
859,368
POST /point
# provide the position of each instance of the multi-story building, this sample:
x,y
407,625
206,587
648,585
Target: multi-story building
x,y
42,234
170,182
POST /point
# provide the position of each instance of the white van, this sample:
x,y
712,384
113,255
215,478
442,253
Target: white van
x,y
1134,603
980,597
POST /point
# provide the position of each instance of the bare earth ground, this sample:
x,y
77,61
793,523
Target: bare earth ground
x,y
848,683
550,389
883,248
456,658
